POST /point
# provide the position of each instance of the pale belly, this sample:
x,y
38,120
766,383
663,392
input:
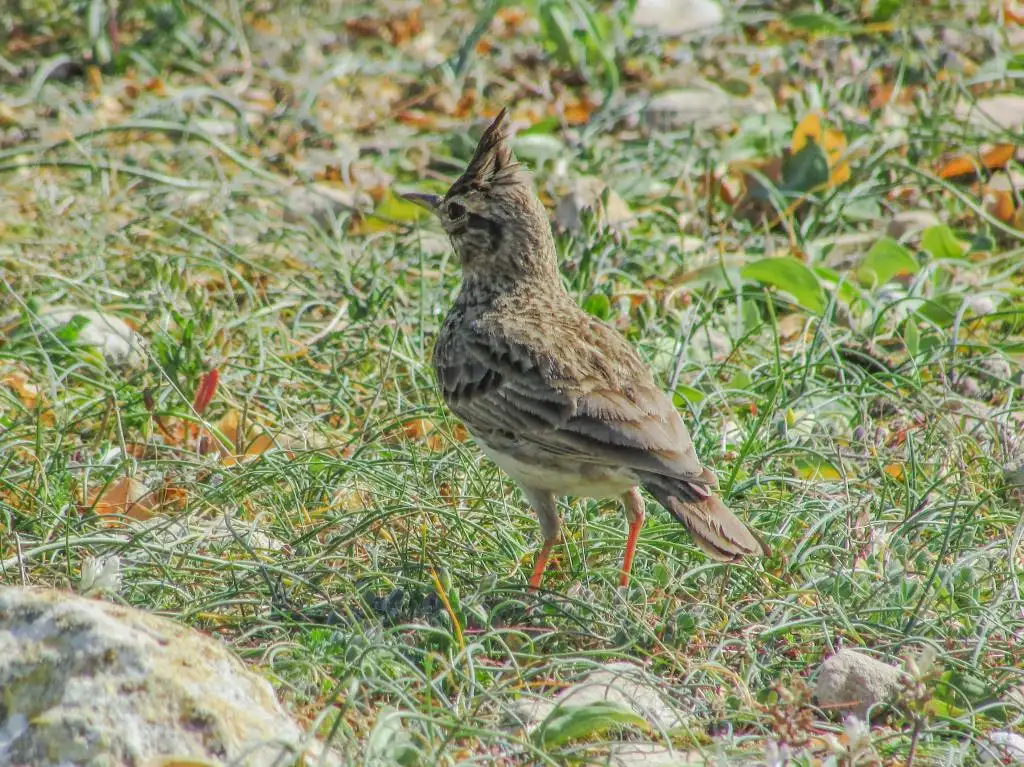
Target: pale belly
x,y
562,476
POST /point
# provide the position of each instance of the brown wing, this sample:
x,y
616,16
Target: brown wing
x,y
596,403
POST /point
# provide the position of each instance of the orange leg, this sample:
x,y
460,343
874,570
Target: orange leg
x,y
634,504
542,561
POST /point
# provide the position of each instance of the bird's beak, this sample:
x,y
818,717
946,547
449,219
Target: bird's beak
x,y
431,202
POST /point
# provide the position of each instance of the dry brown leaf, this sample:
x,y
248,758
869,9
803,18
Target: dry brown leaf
x,y
791,326
27,392
122,497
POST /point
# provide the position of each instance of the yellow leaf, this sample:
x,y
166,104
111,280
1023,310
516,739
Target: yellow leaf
x,y
808,128
894,470
834,144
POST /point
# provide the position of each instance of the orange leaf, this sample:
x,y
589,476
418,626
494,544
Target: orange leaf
x,y
995,158
578,112
123,497
417,119
206,389
833,142
894,470
1000,204
27,392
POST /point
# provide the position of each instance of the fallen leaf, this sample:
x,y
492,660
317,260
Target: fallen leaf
x,y
894,470
126,497
206,389
27,392
966,166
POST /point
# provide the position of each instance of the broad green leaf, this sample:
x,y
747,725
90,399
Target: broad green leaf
x,y
568,722
389,744
69,333
886,259
942,309
686,393
816,468
394,208
911,337
598,305
789,275
817,23
849,293
886,9
940,242
805,170
545,125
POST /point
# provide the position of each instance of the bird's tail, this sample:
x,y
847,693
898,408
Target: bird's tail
x,y
714,528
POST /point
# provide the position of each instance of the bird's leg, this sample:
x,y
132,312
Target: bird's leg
x,y
542,561
634,505
546,508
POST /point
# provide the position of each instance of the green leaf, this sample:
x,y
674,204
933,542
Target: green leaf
x,y
537,147
546,125
598,305
568,723
886,259
911,337
69,333
817,23
805,170
886,9
686,394
394,208
389,744
789,275
940,242
942,309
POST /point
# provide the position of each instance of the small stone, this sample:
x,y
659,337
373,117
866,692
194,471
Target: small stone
x,y
704,107
1002,747
595,194
623,683
1013,480
677,17
89,682
113,337
852,682
910,222
967,386
321,203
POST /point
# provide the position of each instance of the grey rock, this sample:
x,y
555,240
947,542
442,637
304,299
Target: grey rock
x,y
703,107
92,683
1004,111
652,755
910,222
112,336
677,17
621,682
852,682
1001,747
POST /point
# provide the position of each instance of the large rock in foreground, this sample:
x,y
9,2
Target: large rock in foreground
x,y
88,682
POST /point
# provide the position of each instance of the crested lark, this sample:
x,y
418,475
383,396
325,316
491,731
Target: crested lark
x,y
556,398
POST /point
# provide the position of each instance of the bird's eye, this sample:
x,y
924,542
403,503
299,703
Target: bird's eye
x,y
456,211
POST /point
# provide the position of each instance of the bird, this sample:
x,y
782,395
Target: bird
x,y
558,399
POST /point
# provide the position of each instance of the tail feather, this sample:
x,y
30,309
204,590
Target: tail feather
x,y
719,532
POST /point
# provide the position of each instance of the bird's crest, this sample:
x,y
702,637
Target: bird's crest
x,y
493,162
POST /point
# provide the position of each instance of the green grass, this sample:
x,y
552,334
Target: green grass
x,y
364,565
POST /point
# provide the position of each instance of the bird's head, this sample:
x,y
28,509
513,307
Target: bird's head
x,y
492,215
